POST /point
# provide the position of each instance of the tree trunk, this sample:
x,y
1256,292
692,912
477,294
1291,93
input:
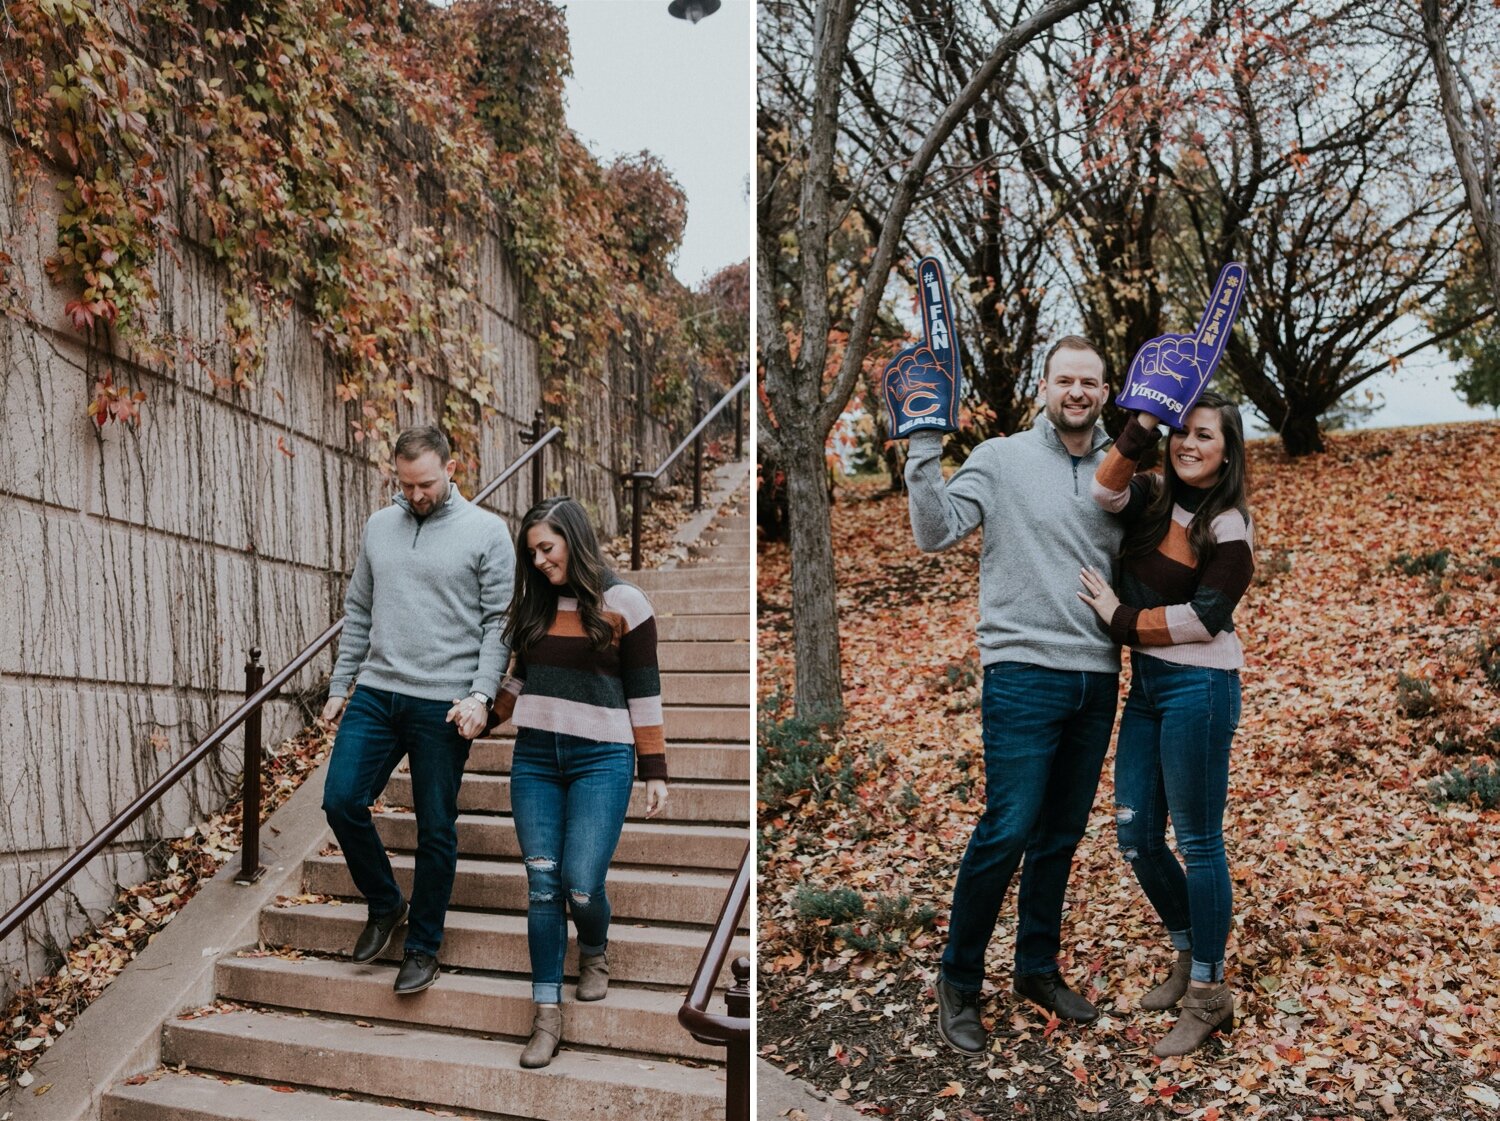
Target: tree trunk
x,y
1300,434
815,625
1473,156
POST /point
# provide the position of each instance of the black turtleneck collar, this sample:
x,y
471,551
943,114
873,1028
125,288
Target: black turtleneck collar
x,y
1187,496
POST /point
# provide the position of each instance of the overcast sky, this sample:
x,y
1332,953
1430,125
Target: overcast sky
x,y
684,92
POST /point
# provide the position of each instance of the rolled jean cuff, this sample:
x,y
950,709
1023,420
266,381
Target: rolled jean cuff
x,y
549,993
592,951
1208,974
1181,939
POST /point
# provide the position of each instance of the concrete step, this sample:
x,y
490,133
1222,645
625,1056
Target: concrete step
x,y
643,1021
634,893
455,1071
703,657
724,600
686,688
735,550
194,1096
703,628
653,580
687,801
705,847
720,762
656,955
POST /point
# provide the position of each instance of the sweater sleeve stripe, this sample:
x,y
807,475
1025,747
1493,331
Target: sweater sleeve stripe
x,y
645,711
1111,487
1185,625
1152,628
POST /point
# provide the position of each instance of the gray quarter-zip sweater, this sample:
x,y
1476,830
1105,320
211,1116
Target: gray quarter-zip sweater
x,y
1041,525
426,605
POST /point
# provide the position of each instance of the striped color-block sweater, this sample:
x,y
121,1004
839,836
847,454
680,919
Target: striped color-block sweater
x,y
1172,608
562,684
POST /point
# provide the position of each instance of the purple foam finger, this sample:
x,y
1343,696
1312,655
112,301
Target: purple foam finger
x,y
1169,373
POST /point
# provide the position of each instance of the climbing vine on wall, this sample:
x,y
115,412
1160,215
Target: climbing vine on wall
x,y
284,136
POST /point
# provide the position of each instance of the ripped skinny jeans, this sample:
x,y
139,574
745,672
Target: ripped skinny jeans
x,y
568,797
1172,761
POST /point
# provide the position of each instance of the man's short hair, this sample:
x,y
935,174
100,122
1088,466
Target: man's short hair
x,y
1073,342
415,442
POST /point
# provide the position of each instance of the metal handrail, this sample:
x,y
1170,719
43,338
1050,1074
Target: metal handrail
x,y
639,480
256,695
730,1031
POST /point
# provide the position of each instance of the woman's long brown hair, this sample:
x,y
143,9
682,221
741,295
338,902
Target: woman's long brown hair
x,y
1229,493
533,603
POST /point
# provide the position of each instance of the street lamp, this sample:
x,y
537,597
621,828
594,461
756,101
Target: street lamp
x,y
693,10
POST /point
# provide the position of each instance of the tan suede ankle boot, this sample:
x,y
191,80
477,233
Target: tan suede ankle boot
x,y
593,976
1204,1011
546,1034
1169,992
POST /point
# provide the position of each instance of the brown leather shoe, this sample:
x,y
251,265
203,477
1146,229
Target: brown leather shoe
x,y
593,976
1204,1011
1169,992
546,1034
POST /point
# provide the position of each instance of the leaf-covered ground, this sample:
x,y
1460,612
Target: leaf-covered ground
x,y
1365,950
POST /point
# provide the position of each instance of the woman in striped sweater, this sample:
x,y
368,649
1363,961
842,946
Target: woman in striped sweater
x,y
585,696
1188,558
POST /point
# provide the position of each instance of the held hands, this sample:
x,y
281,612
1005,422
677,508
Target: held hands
x,y
1098,594
921,384
470,714
1169,373
656,796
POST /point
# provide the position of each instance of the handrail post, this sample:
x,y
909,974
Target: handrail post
x,y
251,868
737,1084
637,484
697,453
739,425
530,436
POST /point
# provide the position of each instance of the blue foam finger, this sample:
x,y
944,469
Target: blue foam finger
x,y
921,384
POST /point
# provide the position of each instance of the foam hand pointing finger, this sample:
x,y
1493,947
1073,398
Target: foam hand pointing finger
x,y
921,384
1169,373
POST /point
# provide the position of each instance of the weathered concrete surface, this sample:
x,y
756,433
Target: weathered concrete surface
x,y
120,1033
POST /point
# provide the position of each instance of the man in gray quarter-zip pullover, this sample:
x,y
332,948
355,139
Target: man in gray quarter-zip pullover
x,y
422,651
1050,675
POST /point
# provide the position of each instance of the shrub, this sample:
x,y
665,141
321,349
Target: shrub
x,y
1488,651
840,905
1477,786
1273,563
1414,696
791,756
886,924
1434,563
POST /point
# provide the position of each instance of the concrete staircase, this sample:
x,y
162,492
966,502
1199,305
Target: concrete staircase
x,y
298,1031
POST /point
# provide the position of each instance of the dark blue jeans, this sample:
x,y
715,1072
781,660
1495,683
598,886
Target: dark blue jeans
x,y
1172,760
568,796
1045,735
377,729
